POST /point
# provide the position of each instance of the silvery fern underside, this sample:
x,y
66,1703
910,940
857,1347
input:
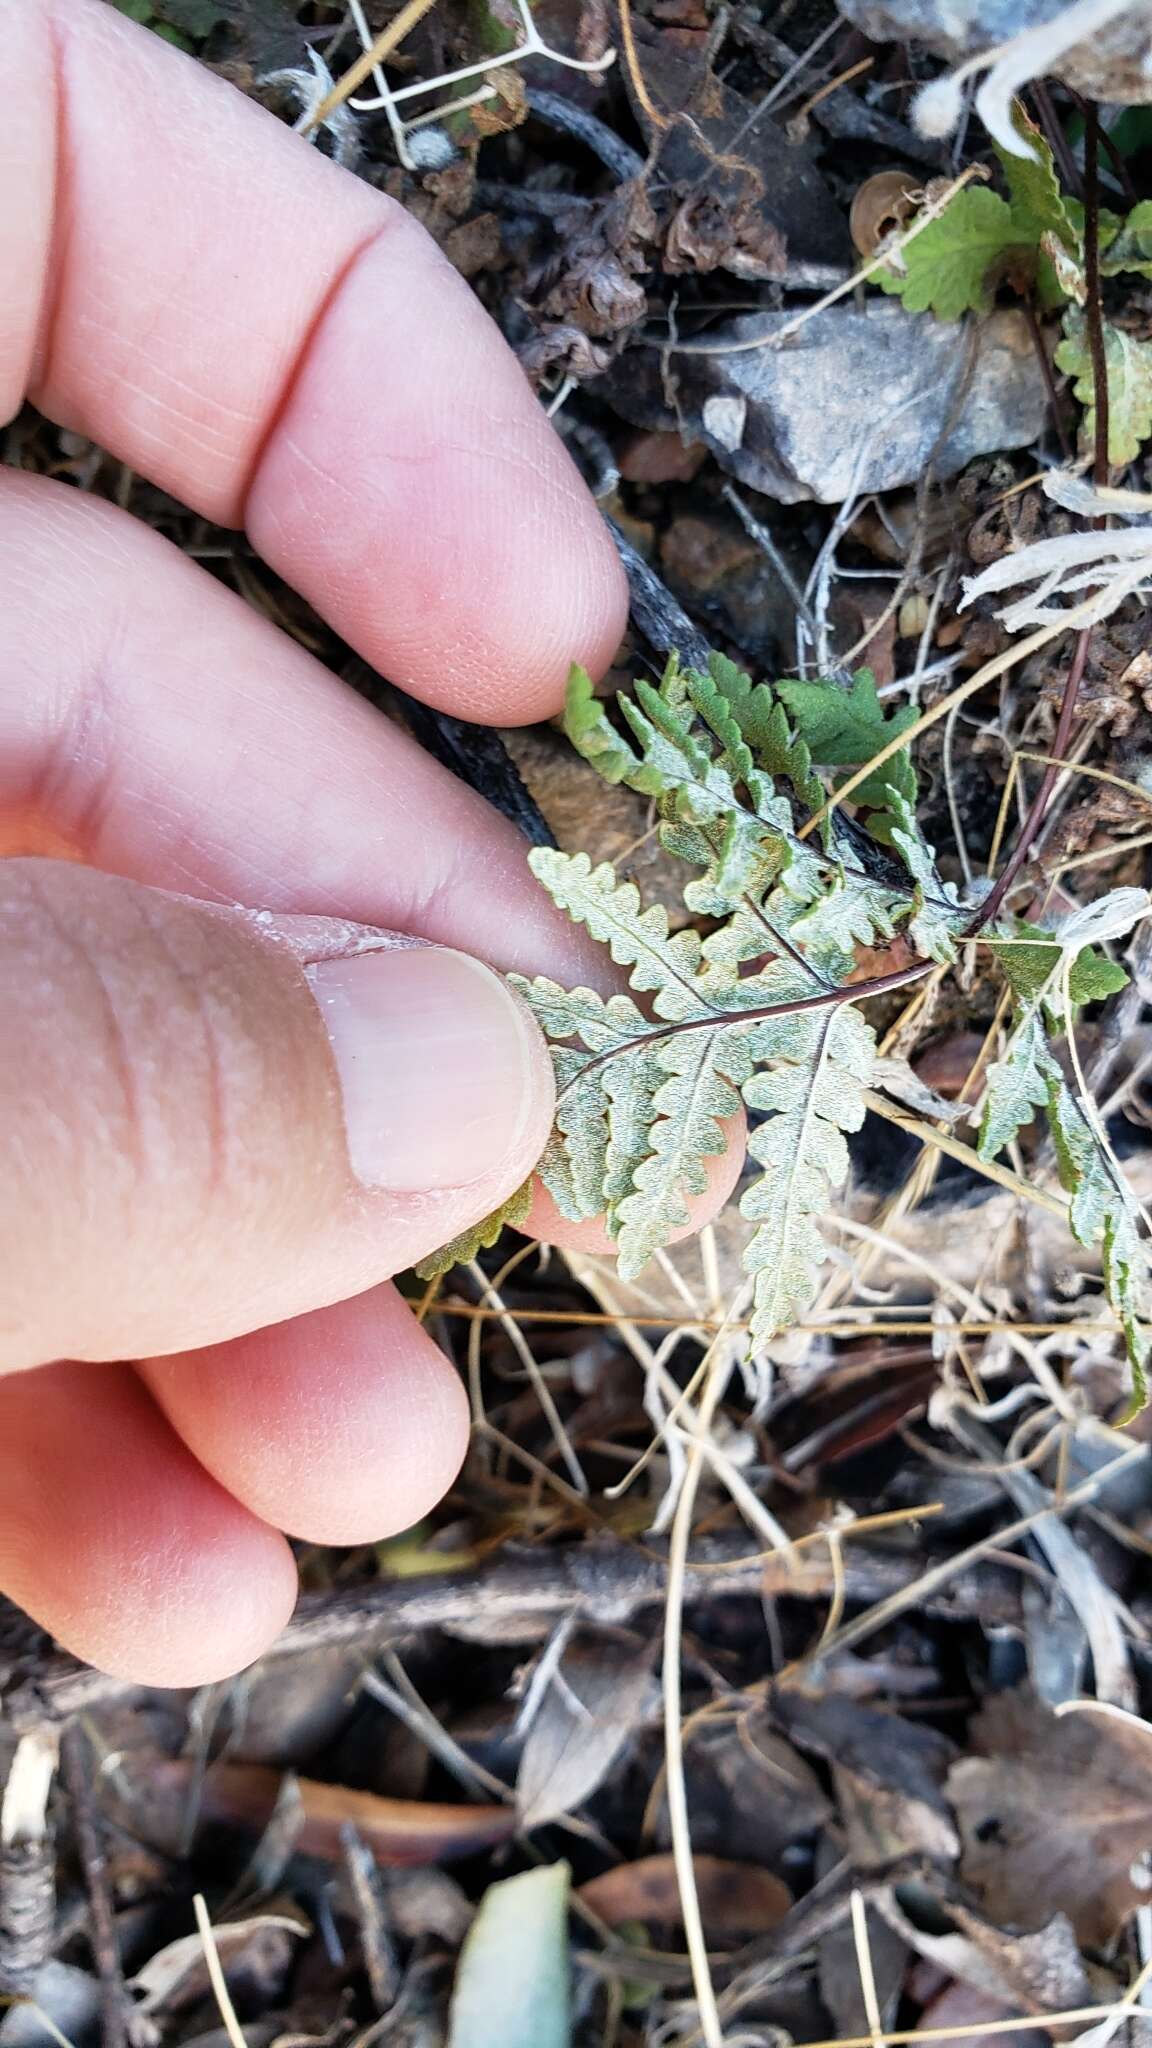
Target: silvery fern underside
x,y
758,1010
756,1004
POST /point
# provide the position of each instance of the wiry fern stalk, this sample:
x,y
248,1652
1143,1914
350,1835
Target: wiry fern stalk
x,y
761,1009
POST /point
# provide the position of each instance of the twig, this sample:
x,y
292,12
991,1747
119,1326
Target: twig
x,y
1123,175
988,1169
897,1320
1057,140
570,118
609,1581
764,540
676,1791
216,1975
27,1864
832,85
632,60
1017,1337
1094,322
1035,816
489,1291
1096,1606
401,1698
389,39
371,1904
74,1765
864,1966
1045,367
1016,2023
863,1625
998,666
664,623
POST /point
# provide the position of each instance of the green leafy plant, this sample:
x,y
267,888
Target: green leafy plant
x,y
762,1008
1033,239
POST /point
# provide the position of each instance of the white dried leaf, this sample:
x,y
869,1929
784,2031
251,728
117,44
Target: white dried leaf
x,y
1110,917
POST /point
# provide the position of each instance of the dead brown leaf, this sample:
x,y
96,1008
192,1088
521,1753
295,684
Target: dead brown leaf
x,y
888,1773
1040,1972
1056,1815
255,1955
735,1898
596,1698
398,1831
959,2006
749,1793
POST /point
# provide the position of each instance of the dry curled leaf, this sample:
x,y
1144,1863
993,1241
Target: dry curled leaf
x,y
255,1952
1028,1854
881,205
596,1698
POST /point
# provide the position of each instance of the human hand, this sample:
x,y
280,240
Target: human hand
x,y
223,1129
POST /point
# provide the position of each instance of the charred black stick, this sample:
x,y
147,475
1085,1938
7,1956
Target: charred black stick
x,y
606,1581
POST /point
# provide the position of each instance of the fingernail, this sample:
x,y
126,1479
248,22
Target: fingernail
x,y
437,1063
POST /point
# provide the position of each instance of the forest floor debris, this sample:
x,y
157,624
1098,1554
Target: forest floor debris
x,y
807,1697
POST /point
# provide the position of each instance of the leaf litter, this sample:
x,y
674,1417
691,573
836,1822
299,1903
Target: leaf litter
x,y
778,1669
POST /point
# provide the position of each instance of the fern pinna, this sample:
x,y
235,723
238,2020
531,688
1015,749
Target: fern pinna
x,y
763,1008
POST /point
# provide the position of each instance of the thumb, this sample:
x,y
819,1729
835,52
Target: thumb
x,y
214,1120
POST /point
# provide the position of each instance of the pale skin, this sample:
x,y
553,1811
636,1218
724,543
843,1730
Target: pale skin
x,y
199,1347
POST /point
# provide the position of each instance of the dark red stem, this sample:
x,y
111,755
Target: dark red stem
x,y
1064,724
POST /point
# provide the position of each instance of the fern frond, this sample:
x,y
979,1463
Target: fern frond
x,y
938,917
1017,1085
1050,973
663,963
604,1103
812,1102
1104,1216
694,1094
762,1007
460,1250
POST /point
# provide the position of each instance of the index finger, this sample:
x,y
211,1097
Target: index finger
x,y
283,348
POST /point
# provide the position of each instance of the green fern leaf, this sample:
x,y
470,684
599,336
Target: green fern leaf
x,y
1103,1215
782,753
1017,1085
1128,369
632,1086
603,1102
763,1008
661,961
470,1243
845,727
1038,204
694,1094
594,736
938,917
802,1149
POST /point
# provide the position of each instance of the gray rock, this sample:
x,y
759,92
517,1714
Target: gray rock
x,y
860,400
1116,64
